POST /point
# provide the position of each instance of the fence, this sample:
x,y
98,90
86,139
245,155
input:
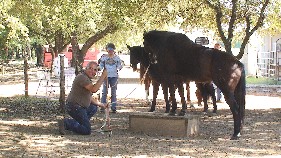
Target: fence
x,y
269,64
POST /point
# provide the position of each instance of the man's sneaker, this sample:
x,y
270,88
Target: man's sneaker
x,y
106,129
61,127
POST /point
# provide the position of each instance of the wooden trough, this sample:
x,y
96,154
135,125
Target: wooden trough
x,y
164,125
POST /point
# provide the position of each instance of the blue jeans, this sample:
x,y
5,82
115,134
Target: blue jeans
x,y
80,122
112,83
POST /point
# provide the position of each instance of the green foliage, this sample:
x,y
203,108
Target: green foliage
x,y
12,30
272,21
45,19
262,80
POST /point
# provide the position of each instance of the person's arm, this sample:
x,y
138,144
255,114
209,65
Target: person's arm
x,y
96,102
102,62
119,63
95,87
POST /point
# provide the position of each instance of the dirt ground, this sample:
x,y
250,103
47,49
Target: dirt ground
x,y
28,128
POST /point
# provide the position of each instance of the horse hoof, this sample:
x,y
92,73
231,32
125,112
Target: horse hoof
x,y
235,137
182,113
215,111
151,110
167,111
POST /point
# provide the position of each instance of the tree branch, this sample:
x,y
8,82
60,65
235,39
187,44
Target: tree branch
x,y
232,20
249,32
99,35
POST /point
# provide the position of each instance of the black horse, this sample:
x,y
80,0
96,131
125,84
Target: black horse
x,y
176,54
138,55
207,89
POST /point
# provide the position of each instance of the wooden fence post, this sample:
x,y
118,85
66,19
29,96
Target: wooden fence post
x,y
62,84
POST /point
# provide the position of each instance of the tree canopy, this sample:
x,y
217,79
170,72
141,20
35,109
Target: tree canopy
x,y
124,21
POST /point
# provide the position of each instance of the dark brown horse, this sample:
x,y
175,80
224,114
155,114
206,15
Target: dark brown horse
x,y
144,78
207,89
176,54
137,55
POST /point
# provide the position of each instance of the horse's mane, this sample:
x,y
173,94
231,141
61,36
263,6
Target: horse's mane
x,y
158,37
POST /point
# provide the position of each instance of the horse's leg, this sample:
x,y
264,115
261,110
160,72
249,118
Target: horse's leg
x,y
212,92
234,107
234,90
173,98
198,94
205,95
155,86
147,82
187,84
183,102
166,97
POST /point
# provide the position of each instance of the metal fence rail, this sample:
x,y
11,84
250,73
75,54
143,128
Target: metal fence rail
x,y
269,64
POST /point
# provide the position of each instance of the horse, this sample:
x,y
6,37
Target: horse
x,y
144,78
137,55
175,54
207,89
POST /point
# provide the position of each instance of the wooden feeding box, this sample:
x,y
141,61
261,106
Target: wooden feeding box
x,y
164,125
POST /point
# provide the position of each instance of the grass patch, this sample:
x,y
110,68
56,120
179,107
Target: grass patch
x,y
262,80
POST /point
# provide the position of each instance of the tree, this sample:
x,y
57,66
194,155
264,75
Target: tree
x,y
232,19
12,30
124,21
272,20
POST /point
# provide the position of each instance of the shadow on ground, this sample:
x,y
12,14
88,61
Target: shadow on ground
x,y
29,129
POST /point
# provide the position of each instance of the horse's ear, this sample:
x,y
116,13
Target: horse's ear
x,y
144,32
128,46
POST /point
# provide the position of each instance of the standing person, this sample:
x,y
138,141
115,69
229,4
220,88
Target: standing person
x,y
218,91
112,63
80,104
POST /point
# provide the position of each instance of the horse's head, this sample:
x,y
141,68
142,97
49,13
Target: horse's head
x,y
133,57
150,53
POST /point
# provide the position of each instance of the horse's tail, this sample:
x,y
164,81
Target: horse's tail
x,y
240,94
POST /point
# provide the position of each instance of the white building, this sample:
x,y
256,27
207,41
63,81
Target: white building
x,y
262,55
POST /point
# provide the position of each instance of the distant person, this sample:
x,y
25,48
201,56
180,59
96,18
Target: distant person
x,y
80,104
113,64
218,91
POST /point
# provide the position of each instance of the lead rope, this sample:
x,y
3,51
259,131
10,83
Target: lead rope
x,y
106,123
106,116
106,110
143,78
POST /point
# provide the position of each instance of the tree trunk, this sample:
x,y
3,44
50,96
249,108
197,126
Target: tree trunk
x,y
17,53
25,76
39,52
75,53
53,57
